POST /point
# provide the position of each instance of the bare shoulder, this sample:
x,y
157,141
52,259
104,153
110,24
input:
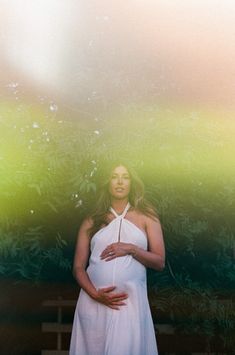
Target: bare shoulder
x,y
150,220
151,225
146,220
137,214
137,217
87,223
143,221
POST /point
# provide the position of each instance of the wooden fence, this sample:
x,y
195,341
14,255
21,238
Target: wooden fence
x,y
58,327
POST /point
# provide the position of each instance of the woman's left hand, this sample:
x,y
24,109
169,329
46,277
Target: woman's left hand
x,y
115,250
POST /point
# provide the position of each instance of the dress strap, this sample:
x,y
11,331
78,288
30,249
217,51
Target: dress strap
x,y
123,213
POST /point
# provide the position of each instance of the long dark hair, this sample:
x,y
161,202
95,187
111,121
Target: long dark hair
x,y
137,199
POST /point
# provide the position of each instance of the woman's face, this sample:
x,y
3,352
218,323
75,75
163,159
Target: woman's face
x,y
120,183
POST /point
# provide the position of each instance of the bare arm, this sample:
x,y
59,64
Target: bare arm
x,y
154,257
81,259
82,251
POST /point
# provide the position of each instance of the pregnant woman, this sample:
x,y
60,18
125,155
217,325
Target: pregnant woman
x,y
118,241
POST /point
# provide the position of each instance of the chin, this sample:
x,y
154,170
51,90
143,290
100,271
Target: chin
x,y
118,197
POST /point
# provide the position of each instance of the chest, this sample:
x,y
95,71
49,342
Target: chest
x,y
135,218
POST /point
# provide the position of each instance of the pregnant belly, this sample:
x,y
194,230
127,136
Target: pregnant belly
x,y
118,272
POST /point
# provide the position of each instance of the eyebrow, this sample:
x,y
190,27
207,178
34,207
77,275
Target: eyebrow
x,y
124,174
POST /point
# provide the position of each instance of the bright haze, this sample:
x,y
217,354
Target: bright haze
x,y
93,54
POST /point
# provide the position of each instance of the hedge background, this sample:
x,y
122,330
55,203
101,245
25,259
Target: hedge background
x,y
185,157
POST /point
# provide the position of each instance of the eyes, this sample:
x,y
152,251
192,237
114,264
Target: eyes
x,y
115,176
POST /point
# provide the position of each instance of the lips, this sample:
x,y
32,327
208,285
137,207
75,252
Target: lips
x,y
119,189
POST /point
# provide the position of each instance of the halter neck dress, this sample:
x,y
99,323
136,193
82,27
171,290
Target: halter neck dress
x,y
100,330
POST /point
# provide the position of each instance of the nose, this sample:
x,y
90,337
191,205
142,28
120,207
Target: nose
x,y
120,180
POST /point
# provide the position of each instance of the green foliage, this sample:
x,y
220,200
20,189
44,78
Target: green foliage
x,y
26,255
49,177
199,311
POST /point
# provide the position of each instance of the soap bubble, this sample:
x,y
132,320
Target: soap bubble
x,y
79,203
13,85
35,125
53,107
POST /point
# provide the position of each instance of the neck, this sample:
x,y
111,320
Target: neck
x,y
119,205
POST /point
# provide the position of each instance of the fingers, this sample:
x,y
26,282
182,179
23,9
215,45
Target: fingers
x,y
108,252
114,250
110,299
107,289
118,296
116,305
109,258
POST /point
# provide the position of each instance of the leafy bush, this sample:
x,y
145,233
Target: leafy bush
x,y
48,183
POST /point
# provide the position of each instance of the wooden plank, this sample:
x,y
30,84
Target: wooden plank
x,y
59,303
56,328
67,328
54,352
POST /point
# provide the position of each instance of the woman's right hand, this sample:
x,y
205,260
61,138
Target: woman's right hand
x,y
107,297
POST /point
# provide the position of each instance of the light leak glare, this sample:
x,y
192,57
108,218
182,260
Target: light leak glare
x,y
174,50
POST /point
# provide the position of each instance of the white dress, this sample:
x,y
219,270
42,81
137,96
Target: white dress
x,y
100,330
